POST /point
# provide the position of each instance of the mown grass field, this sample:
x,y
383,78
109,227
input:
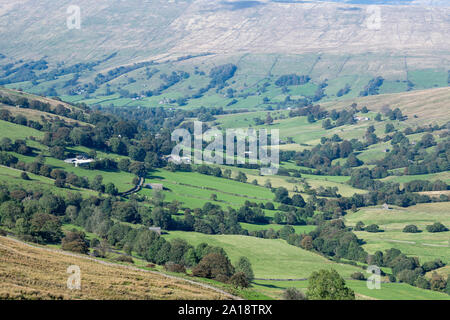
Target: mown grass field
x,y
425,245
270,258
15,131
35,273
275,259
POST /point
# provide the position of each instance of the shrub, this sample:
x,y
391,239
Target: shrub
x,y
373,228
411,229
438,282
124,258
423,283
407,276
437,227
293,294
359,226
174,267
244,266
328,285
269,206
392,278
75,241
239,280
358,276
3,233
432,265
447,288
98,254
214,265
24,176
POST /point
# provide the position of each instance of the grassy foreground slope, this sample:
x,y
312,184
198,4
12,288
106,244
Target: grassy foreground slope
x,y
34,273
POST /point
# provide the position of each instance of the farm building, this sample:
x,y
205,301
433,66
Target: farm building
x,y
79,161
154,186
155,229
357,118
177,159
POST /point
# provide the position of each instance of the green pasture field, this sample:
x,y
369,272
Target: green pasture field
x,y
232,187
12,179
444,176
270,258
388,291
425,245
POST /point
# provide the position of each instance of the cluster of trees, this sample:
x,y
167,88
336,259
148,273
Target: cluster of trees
x,y
31,214
415,158
23,102
333,239
117,72
408,269
292,80
282,196
19,146
343,91
372,87
425,185
220,74
313,112
385,192
322,285
395,114
322,155
435,227
5,115
171,80
23,72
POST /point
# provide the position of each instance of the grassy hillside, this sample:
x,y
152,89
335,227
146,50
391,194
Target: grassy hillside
x,y
194,36
388,291
425,245
275,259
428,105
270,258
34,273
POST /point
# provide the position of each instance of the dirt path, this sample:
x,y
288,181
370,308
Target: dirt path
x,y
135,189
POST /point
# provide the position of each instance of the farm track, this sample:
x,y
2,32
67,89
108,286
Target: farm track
x,y
206,286
135,189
